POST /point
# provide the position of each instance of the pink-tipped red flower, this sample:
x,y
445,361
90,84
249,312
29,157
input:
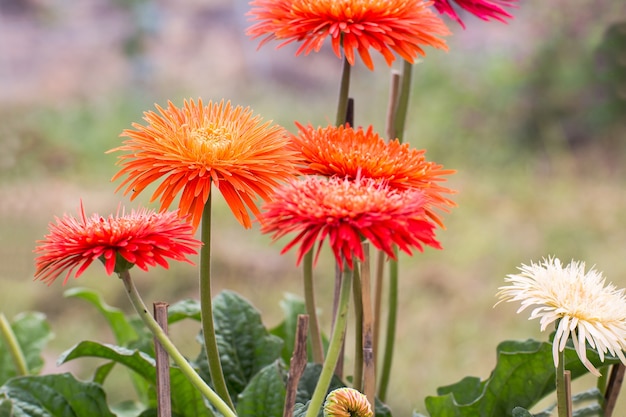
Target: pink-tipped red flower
x,y
483,9
401,26
143,238
352,153
346,212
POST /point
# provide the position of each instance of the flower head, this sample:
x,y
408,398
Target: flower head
x,y
483,9
347,402
352,153
347,212
195,146
403,26
143,238
585,308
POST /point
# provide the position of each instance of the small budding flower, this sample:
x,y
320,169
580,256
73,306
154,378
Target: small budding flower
x,y
579,301
347,402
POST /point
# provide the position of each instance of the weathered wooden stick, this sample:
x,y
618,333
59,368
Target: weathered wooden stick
x,y
297,364
164,401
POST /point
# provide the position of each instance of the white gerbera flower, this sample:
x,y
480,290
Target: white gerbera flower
x,y
587,309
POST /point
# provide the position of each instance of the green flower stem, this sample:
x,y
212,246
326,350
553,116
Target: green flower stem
x,y
403,100
15,350
344,90
357,376
309,302
563,393
169,347
206,308
336,342
392,318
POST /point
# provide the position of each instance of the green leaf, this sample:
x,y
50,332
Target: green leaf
x,y
244,344
308,382
521,412
185,309
292,306
265,394
101,372
136,360
186,399
523,375
32,332
122,330
59,395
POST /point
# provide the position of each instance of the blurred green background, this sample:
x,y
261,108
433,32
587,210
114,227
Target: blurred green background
x,y
531,114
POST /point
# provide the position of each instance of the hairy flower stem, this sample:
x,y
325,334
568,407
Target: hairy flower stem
x,y
13,346
309,302
392,318
344,90
208,328
336,342
169,347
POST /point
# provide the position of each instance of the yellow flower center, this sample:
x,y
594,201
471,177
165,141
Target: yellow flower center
x,y
212,140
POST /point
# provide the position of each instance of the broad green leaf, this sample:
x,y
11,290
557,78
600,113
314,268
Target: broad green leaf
x,y
521,412
102,372
184,309
32,332
122,330
523,375
128,409
292,306
300,410
265,394
244,344
59,395
135,360
186,399
308,382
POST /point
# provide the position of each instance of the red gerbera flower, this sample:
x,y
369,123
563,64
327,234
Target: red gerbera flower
x,y
352,153
143,238
346,212
483,9
385,25
196,146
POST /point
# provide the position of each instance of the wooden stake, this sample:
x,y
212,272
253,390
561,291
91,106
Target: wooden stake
x,y
297,364
613,388
369,364
164,401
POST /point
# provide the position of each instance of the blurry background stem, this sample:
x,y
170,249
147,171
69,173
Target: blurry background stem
x,y
208,328
311,310
344,91
399,123
169,347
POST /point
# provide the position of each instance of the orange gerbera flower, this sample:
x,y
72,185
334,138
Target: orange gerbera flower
x,y
385,25
352,153
196,146
346,212
143,238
